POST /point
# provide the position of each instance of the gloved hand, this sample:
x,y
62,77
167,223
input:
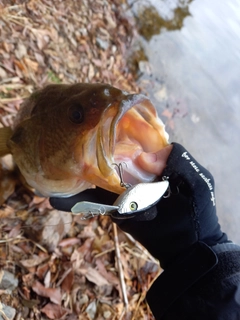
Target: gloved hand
x,y
178,221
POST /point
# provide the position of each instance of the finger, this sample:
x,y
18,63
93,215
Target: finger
x,y
154,163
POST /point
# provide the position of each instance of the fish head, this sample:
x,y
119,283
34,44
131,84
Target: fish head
x,y
67,137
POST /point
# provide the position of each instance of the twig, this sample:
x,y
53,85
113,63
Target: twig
x,y
109,250
9,100
140,255
63,277
119,264
123,313
142,297
19,237
141,248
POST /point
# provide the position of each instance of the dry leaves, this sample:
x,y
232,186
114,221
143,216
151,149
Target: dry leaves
x,y
66,268
79,277
44,42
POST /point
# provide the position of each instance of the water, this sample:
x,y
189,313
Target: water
x,y
193,72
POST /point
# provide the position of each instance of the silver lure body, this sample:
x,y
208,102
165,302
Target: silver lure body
x,y
134,199
140,197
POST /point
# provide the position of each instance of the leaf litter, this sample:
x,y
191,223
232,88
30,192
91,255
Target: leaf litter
x,y
58,266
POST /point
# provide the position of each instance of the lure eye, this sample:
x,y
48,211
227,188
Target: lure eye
x,y
133,206
75,113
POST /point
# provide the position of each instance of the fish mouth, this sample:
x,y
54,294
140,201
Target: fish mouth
x,y
124,133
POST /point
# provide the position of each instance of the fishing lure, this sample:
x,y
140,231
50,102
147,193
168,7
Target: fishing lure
x,y
133,200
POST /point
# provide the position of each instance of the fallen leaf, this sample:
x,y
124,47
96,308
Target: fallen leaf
x,y
42,270
69,242
32,65
20,65
68,282
87,232
54,311
54,294
15,231
109,276
94,276
33,262
21,51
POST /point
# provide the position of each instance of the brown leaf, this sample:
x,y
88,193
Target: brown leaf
x,y
94,276
77,259
49,228
68,282
32,65
3,73
39,58
97,62
15,231
87,232
54,311
69,242
54,294
20,65
42,270
33,262
109,276
21,51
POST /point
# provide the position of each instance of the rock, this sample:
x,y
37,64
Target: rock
x,y
6,312
103,44
7,281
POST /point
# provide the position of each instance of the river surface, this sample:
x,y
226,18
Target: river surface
x,y
193,78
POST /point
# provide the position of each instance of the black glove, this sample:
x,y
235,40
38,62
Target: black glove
x,y
177,222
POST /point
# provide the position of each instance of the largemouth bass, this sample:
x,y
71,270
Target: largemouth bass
x,y
66,138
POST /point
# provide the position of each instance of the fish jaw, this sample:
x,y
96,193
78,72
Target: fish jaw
x,y
139,130
123,133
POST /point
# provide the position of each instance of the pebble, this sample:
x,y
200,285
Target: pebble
x,y
7,312
7,281
103,44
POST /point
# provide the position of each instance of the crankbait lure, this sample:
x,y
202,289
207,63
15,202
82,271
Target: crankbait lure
x,y
133,200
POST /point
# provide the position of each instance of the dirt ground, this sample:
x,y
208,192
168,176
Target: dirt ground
x,y
53,265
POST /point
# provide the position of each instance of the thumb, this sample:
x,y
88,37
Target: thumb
x,y
154,163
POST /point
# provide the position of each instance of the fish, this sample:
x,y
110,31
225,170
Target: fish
x,y
67,138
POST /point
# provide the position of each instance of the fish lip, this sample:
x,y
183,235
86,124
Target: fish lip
x,y
105,149
140,131
124,107
129,101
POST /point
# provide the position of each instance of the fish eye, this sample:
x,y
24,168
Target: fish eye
x,y
133,206
75,113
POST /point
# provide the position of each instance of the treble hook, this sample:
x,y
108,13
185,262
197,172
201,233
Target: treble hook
x,y
169,191
120,173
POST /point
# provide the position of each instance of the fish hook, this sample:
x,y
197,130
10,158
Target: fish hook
x,y
169,191
120,173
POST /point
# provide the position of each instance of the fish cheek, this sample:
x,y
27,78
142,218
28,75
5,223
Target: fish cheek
x,y
23,148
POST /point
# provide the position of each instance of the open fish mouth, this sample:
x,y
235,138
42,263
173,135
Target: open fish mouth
x,y
125,134
68,137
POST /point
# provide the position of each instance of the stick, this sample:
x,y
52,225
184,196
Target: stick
x,y
141,248
119,264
